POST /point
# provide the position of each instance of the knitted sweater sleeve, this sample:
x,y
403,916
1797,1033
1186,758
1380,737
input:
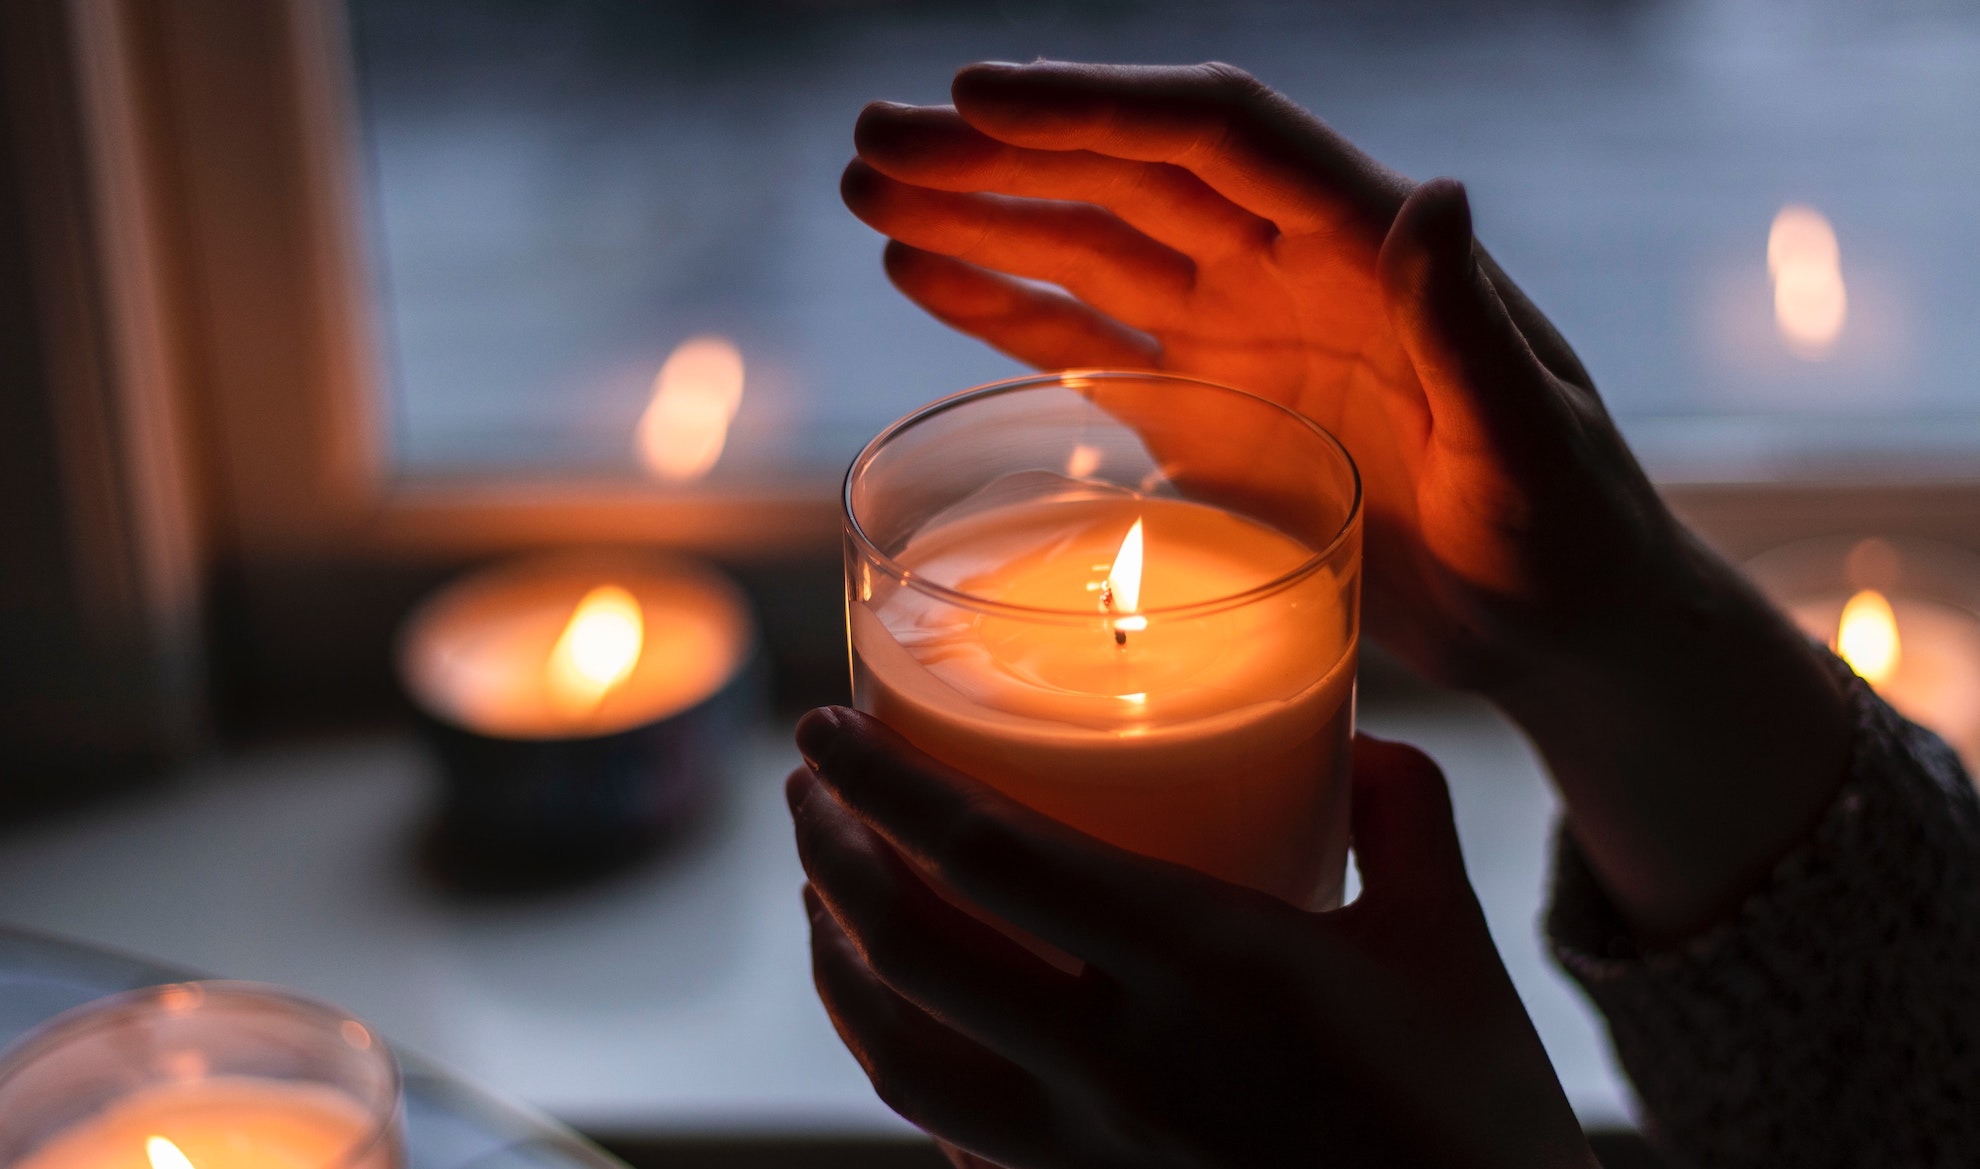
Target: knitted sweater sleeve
x,y
1835,1020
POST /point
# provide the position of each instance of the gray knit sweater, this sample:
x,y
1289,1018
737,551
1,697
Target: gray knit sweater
x,y
1835,1021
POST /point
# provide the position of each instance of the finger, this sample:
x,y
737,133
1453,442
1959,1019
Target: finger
x,y
947,962
1487,392
936,1079
1405,836
1082,248
1246,142
1548,345
1038,326
1053,331
1088,898
932,146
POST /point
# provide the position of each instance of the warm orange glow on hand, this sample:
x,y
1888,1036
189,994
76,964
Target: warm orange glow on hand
x,y
695,397
1867,637
1123,590
1810,301
164,1154
597,650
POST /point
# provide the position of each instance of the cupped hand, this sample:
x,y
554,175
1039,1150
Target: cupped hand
x,y
1195,221
1211,1025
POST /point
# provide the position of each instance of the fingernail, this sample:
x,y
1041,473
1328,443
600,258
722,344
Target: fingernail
x,y
797,788
817,731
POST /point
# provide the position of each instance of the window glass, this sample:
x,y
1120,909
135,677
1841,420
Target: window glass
x,y
563,193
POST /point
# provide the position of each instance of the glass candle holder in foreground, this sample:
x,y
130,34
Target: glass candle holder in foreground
x,y
1128,600
207,1075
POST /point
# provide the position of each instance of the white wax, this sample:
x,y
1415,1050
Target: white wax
x,y
1215,738
226,1122
476,654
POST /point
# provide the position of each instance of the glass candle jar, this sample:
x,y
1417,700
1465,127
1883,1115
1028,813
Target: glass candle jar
x,y
211,1075
1128,600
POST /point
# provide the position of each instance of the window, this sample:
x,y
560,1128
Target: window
x,y
403,274
562,192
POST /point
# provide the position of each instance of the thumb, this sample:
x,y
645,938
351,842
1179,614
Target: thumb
x,y
1486,390
1405,838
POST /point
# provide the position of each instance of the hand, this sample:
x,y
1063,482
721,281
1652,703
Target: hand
x,y
1211,1025
1197,221
1203,224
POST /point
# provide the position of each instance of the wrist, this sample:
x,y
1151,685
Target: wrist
x,y
1693,744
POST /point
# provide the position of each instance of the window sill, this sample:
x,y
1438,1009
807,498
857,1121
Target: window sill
x,y
675,1002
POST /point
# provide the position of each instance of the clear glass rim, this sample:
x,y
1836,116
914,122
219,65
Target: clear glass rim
x,y
110,1010
1287,579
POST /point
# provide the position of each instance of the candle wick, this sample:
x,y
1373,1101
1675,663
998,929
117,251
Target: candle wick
x,y
1107,606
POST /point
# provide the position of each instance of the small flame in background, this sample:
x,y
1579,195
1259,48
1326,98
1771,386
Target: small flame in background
x,y
1867,637
597,650
164,1154
695,397
1083,461
1124,582
1810,301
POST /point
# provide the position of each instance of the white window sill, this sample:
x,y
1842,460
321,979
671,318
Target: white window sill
x,y
675,1002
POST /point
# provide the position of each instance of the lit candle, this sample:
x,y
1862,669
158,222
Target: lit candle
x,y
202,1075
1168,674
228,1122
568,648
1215,739
1922,656
1904,614
580,705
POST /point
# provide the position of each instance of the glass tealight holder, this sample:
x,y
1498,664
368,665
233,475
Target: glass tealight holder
x,y
211,1075
1128,600
1904,613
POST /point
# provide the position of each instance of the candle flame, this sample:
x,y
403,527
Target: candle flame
x,y
1867,637
164,1154
597,650
695,397
1810,301
1123,588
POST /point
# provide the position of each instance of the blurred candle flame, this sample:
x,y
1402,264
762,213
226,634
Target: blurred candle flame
x,y
597,650
1810,301
1123,589
1867,637
164,1154
1083,461
695,397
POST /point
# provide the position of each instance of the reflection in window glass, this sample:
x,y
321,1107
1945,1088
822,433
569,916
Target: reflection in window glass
x,y
1755,221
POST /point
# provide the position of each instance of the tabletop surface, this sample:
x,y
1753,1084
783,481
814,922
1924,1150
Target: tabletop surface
x,y
673,1001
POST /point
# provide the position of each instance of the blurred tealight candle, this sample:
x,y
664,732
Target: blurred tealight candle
x,y
1902,614
579,703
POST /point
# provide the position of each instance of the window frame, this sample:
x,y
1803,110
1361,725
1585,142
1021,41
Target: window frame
x,y
257,155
